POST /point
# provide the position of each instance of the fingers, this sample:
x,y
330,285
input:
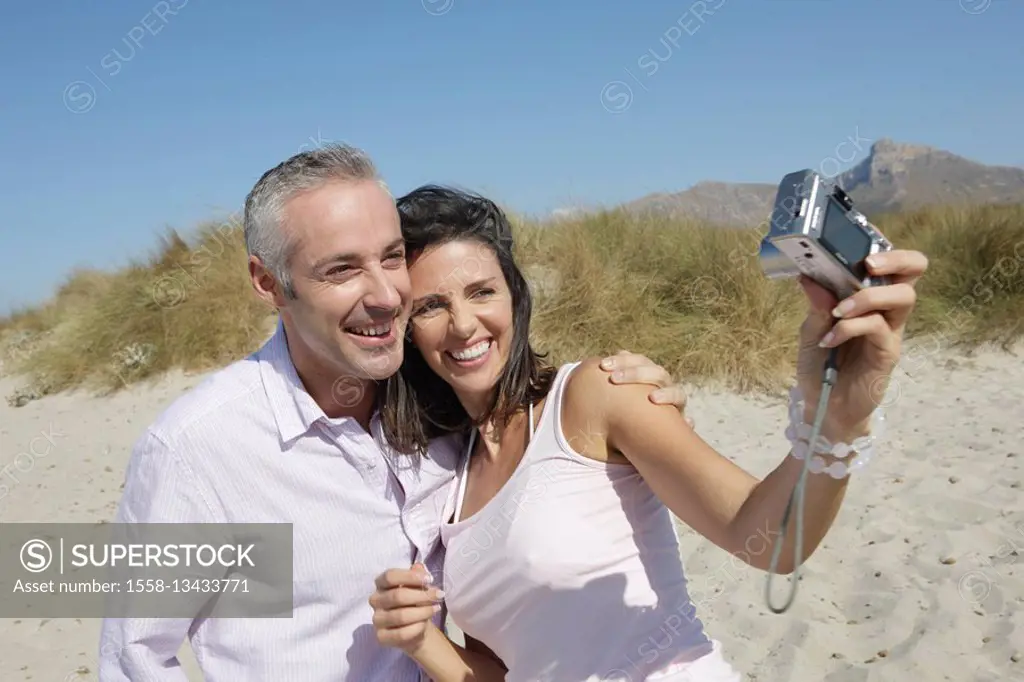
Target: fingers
x,y
820,299
903,265
404,606
405,597
873,326
623,358
400,610
671,395
645,374
895,301
416,576
632,368
398,618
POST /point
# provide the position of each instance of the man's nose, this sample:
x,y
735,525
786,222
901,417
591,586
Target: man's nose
x,y
382,293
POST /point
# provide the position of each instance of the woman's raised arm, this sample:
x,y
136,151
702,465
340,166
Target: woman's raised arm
x,y
719,499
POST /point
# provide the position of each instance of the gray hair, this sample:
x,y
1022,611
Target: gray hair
x,y
265,236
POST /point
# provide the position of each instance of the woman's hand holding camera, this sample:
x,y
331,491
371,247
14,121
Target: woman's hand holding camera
x,y
868,328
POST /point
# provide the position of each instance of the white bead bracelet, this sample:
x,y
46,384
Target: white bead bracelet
x,y
799,433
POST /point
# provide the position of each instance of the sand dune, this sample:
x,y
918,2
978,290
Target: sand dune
x,y
920,579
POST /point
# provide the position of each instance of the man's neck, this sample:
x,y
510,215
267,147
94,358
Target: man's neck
x,y
344,397
336,393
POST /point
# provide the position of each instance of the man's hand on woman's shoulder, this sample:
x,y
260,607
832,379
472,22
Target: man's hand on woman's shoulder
x,y
595,398
626,367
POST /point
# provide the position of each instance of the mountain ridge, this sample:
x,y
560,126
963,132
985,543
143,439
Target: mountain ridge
x,y
894,176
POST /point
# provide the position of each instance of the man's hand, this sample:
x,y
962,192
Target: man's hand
x,y
631,368
404,605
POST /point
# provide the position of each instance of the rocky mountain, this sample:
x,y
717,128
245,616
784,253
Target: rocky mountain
x,y
893,177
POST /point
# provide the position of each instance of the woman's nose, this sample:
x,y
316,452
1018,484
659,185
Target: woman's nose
x,y
463,321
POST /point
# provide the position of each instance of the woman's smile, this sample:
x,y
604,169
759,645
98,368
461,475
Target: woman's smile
x,y
471,356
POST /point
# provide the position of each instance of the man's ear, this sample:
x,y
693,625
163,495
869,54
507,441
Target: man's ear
x,y
265,284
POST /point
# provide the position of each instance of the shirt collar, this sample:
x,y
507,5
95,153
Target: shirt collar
x,y
294,409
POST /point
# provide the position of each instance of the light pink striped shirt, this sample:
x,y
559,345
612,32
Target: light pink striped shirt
x,y
249,445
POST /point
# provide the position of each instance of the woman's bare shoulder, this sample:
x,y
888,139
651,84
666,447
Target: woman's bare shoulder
x,y
584,408
586,387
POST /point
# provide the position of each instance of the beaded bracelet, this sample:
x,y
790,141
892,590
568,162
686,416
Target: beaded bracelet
x,y
799,433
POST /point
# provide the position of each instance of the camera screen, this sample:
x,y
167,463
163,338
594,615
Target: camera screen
x,y
845,239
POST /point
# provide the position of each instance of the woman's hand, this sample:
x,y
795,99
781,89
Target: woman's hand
x,y
404,606
868,328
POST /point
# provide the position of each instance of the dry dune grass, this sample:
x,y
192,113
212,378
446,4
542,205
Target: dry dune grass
x,y
692,296
688,295
189,307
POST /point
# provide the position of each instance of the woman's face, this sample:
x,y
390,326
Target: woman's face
x,y
462,317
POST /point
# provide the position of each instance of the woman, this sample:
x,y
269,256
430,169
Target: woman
x,y
562,561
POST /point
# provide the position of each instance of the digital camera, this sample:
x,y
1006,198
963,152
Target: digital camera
x,y
815,231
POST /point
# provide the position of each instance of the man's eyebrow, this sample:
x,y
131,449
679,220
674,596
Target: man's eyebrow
x,y
336,258
346,257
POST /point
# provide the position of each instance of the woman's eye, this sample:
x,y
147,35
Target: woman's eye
x,y
425,308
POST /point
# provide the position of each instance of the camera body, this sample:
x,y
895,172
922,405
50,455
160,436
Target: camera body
x,y
815,231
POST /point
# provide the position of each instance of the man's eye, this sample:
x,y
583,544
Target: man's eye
x,y
338,270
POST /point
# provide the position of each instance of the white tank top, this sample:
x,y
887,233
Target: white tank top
x,y
572,573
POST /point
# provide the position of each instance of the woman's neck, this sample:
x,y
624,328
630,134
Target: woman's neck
x,y
475,404
489,433
492,434
491,438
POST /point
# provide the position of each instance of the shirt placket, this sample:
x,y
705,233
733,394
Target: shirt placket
x,y
360,450
417,521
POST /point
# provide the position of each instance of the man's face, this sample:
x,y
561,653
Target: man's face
x,y
351,284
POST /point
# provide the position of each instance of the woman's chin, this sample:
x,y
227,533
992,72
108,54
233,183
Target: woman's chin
x,y
474,387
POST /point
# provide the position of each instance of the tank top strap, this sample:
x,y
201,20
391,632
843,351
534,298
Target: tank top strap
x,y
542,432
550,418
546,433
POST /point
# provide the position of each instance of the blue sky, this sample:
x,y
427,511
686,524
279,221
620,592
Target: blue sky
x,y
121,118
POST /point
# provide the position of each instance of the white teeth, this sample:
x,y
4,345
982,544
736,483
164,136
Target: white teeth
x,y
379,330
472,352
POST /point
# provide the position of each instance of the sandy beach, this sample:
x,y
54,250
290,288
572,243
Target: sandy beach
x,y
921,578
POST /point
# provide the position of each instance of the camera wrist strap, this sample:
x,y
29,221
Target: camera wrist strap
x,y
799,492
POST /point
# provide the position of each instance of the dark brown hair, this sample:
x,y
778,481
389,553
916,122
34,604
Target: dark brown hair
x,y
416,404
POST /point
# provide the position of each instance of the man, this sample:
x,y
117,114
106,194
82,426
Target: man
x,y
289,435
